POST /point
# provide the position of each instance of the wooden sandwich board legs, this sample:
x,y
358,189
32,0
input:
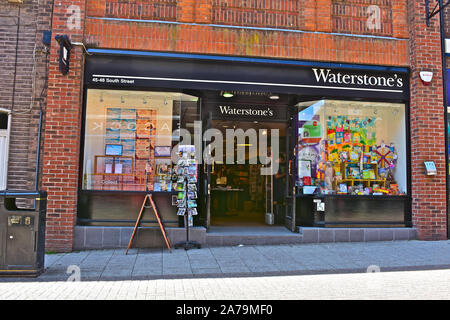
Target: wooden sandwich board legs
x,y
161,226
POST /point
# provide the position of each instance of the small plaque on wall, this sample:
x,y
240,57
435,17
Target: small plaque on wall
x,y
430,168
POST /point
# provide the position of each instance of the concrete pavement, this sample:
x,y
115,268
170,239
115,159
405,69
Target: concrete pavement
x,y
244,261
262,290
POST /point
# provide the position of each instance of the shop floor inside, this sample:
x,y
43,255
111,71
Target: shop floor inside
x,y
239,218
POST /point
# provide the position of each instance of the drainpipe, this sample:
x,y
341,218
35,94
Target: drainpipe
x,y
38,152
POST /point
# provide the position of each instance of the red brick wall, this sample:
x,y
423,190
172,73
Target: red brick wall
x,y
202,37
313,26
427,126
62,129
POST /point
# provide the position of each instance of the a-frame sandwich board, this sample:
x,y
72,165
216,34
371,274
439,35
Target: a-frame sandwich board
x,y
161,226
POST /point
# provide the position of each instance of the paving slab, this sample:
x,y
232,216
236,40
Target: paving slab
x,y
245,260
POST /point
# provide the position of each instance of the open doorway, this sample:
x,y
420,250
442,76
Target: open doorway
x,y
242,193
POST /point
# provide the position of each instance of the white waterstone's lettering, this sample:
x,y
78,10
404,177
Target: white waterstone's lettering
x,y
228,110
329,77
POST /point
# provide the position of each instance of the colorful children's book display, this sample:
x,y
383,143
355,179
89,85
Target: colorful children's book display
x,y
349,148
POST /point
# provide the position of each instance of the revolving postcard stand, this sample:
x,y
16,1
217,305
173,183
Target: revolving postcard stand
x,y
187,192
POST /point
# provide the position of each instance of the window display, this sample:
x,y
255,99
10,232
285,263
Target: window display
x,y
129,139
352,148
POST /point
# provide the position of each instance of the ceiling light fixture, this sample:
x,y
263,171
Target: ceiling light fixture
x,y
227,94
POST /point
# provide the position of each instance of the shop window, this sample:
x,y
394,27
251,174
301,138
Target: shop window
x,y
351,148
129,138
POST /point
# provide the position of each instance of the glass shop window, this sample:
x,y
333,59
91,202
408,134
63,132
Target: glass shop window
x,y
129,137
351,148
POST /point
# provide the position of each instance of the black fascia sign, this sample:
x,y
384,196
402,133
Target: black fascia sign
x,y
64,53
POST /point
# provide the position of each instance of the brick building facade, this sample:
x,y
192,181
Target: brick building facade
x,y
392,34
23,77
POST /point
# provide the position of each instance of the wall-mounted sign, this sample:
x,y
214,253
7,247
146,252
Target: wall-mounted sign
x,y
246,111
357,79
64,53
207,74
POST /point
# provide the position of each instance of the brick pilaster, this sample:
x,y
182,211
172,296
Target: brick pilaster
x,y
62,129
427,126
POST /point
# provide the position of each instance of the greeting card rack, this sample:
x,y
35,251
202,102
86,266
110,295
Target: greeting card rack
x,y
187,192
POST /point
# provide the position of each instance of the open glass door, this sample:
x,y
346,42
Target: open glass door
x,y
291,165
269,197
205,181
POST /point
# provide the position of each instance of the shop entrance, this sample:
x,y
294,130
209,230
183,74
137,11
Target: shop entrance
x,y
242,194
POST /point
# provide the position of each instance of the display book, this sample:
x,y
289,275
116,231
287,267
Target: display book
x,y
348,162
129,156
186,184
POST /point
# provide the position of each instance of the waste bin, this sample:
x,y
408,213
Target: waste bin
x,y
22,233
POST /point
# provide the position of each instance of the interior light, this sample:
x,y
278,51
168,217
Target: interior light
x,y
227,94
274,97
